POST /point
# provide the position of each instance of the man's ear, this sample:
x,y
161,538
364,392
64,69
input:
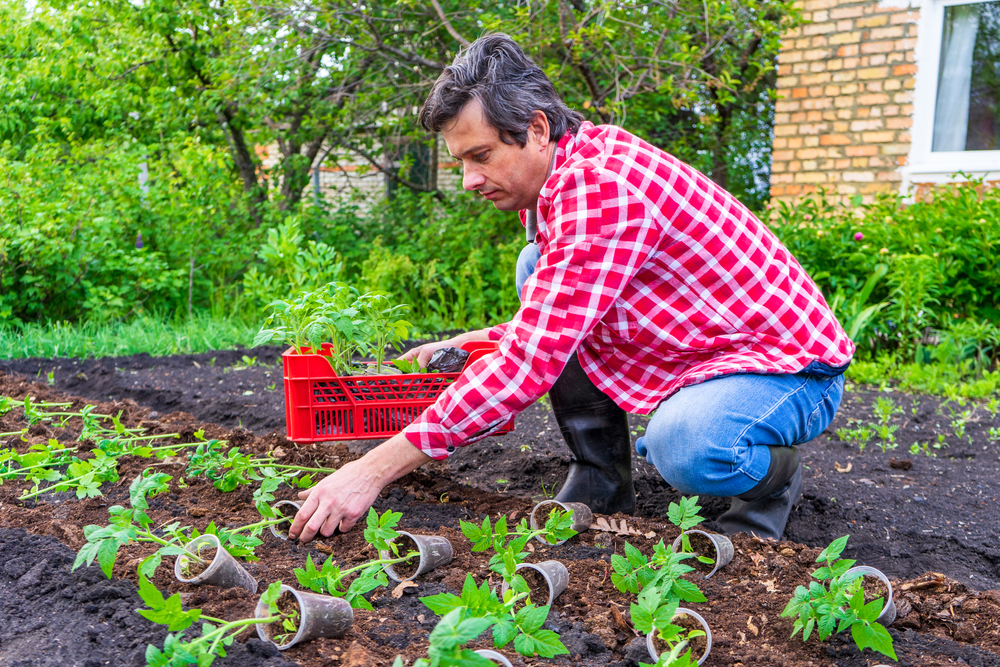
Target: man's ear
x,y
539,129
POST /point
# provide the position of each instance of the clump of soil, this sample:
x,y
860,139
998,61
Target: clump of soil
x,y
689,623
941,621
288,607
192,567
702,545
538,588
874,588
407,568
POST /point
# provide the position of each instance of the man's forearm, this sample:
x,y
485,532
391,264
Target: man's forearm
x,y
392,459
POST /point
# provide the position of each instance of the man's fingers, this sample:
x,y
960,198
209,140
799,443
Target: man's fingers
x,y
304,514
305,494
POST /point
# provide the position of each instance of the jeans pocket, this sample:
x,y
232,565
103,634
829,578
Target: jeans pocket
x,y
825,410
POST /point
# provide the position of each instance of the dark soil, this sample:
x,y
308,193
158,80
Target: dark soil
x,y
406,569
937,516
906,513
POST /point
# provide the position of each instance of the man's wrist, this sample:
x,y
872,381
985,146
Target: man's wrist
x,y
392,459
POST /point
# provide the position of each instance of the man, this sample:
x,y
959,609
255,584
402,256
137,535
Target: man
x,y
646,288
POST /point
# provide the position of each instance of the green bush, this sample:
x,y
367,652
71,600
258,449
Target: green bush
x,y
906,278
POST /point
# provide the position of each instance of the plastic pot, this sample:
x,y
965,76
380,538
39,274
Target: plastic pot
x,y
224,570
723,548
276,530
319,616
888,614
582,516
496,657
434,551
553,572
681,611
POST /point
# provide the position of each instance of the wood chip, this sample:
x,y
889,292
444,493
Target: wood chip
x,y
325,548
530,547
620,621
397,592
513,515
757,558
196,364
650,535
753,628
769,585
743,638
279,452
847,469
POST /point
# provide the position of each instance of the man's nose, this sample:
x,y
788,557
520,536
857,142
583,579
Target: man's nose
x,y
472,179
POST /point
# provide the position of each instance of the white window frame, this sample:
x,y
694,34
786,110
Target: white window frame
x,y
925,165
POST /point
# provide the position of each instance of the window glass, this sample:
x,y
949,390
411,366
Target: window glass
x,y
967,113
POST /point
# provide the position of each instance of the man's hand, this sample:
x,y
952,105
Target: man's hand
x,y
424,353
341,499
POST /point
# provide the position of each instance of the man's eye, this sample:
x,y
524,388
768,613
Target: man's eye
x,y
481,157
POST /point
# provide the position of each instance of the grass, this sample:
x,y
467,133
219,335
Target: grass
x,y
940,379
150,334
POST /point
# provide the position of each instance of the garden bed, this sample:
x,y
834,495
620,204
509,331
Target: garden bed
x,y
938,514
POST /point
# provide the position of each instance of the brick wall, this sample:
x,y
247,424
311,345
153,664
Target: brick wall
x,y
845,88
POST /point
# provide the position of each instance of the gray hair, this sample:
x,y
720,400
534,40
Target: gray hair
x,y
509,86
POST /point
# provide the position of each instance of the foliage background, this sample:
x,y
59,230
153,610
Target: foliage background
x,y
183,91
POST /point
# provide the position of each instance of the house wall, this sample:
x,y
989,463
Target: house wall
x,y
845,87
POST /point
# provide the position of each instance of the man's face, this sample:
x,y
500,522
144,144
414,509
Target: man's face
x,y
506,174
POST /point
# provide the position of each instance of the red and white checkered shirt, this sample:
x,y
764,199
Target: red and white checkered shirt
x,y
656,275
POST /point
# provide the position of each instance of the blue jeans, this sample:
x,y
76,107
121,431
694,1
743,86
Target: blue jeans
x,y
526,262
711,438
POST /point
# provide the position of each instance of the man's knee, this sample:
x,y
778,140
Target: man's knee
x,y
684,454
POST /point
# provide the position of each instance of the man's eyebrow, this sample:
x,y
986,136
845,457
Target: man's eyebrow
x,y
474,149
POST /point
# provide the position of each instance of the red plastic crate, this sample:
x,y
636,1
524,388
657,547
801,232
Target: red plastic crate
x,y
321,406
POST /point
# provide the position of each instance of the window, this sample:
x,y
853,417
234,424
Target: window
x,y
956,119
967,112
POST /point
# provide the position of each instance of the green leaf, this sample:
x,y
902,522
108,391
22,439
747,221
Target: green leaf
x,y
833,551
107,552
873,636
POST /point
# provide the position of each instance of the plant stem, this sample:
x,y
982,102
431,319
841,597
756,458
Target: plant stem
x,y
155,437
260,524
220,633
21,432
287,467
381,561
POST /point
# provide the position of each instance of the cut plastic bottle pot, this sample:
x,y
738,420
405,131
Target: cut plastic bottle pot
x,y
495,656
582,516
434,551
553,572
681,611
723,548
224,570
888,614
319,616
281,530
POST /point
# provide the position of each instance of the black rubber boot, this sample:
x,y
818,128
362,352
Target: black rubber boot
x,y
596,431
764,509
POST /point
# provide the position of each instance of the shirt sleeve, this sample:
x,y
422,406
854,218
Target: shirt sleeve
x,y
599,235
